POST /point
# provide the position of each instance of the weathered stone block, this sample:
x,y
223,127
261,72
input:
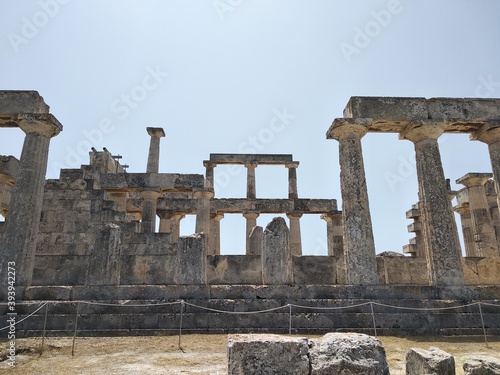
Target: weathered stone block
x,y
267,355
13,102
277,265
433,361
104,262
347,353
386,108
234,269
314,270
192,259
482,366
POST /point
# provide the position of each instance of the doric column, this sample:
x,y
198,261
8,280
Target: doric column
x,y
203,211
292,180
175,228
416,227
209,175
491,196
467,232
149,210
214,245
23,221
335,243
251,191
165,221
361,266
154,149
439,231
482,224
295,237
251,223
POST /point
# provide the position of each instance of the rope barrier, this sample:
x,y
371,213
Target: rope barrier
x,y
183,303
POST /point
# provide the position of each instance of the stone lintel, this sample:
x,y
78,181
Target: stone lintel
x,y
17,101
241,205
474,179
413,213
269,159
155,132
408,108
152,181
44,123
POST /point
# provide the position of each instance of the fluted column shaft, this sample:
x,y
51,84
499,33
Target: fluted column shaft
x,y
439,231
251,190
23,222
214,245
361,266
467,232
292,180
203,211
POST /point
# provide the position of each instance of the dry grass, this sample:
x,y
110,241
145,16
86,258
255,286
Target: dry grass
x,y
201,354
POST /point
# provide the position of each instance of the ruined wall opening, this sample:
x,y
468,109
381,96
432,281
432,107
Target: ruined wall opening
x,y
314,236
230,181
233,234
187,226
271,181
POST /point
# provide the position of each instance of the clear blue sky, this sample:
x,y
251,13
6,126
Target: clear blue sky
x,y
228,76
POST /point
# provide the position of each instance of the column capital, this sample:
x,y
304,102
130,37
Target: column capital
x,y
293,164
209,164
462,208
348,127
251,164
218,216
150,194
166,214
489,133
418,130
156,132
203,194
251,215
45,125
474,179
294,215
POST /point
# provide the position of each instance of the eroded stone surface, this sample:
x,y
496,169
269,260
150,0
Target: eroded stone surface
x,y
267,355
482,366
432,361
348,353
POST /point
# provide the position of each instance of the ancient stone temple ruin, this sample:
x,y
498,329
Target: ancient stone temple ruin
x,y
91,235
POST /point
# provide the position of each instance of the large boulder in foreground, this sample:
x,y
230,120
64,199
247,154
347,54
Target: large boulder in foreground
x,y
482,366
432,361
346,354
266,354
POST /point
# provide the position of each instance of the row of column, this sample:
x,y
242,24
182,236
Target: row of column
x,y
251,185
440,237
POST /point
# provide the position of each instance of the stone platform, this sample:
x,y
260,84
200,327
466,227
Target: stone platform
x,y
114,311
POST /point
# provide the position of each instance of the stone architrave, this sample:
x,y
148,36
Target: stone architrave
x,y
154,149
295,236
192,260
251,222
348,353
254,354
441,242
149,199
105,261
433,361
484,231
22,224
277,267
359,245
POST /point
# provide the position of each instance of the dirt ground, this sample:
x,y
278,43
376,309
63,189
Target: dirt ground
x,y
200,354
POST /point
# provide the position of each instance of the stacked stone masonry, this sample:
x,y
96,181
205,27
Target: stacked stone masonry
x,y
96,226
